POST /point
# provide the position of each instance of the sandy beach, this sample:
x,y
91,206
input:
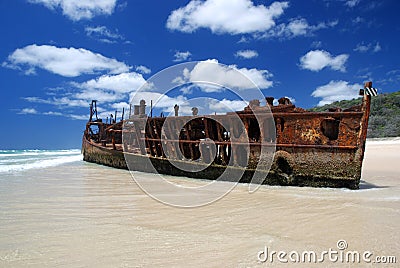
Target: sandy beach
x,y
85,215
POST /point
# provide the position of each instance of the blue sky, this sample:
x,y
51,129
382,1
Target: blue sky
x,y
57,55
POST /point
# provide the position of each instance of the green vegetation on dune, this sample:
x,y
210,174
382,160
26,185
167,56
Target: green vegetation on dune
x,y
385,114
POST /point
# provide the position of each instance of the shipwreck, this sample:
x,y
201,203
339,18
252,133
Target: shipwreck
x,y
319,149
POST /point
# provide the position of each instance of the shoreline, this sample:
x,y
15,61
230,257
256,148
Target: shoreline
x,y
387,140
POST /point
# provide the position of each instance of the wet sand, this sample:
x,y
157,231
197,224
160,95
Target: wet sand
x,y
84,215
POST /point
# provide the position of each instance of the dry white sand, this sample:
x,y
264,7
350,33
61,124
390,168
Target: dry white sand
x,y
85,215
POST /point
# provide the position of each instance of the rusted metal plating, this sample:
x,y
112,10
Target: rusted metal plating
x,y
323,144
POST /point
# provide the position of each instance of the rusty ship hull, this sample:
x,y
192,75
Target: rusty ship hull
x,y
319,149
94,153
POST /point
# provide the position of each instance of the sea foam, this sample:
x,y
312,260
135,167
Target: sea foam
x,y
18,160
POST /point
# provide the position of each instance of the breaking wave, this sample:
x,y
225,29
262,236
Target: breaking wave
x,y
18,160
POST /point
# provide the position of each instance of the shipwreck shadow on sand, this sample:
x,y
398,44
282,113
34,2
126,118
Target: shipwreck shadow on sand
x,y
366,186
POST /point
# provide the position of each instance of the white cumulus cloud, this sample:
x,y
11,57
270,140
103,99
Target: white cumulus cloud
x,y
210,71
120,105
68,62
316,60
224,105
111,91
246,54
143,69
79,9
28,111
103,96
225,16
161,101
120,83
182,56
336,91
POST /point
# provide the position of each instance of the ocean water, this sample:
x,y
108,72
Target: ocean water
x,y
17,160
58,211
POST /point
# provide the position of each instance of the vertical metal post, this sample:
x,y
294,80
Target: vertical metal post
x,y
151,108
366,109
91,111
95,108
